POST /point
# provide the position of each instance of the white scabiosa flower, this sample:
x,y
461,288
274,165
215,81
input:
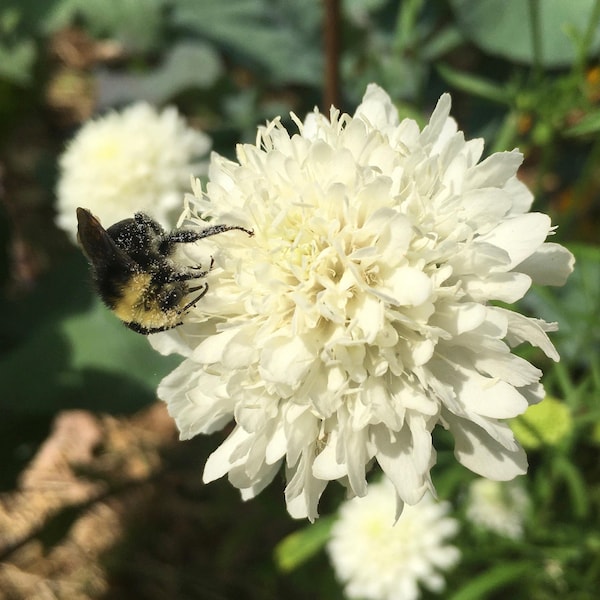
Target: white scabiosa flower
x,y
379,559
497,506
135,160
360,314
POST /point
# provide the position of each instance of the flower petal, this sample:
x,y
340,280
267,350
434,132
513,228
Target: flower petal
x,y
477,451
550,264
377,108
520,236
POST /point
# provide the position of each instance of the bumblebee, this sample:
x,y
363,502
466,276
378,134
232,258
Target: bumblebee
x,y
134,273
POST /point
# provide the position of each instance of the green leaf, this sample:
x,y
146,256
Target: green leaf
x,y
483,585
16,62
136,23
575,307
98,340
357,11
89,360
503,28
590,123
298,547
575,484
189,65
26,17
475,85
281,38
441,43
64,349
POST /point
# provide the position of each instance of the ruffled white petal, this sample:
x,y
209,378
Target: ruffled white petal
x,y
361,313
485,456
550,264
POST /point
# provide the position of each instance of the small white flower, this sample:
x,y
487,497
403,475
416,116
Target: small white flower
x,y
500,507
135,160
361,314
377,559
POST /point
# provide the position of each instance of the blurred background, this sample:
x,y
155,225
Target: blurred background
x,y
132,518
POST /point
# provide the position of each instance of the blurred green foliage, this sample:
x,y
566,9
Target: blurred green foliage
x,y
545,34
522,73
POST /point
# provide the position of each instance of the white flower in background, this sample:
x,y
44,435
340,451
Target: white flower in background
x,y
500,507
359,316
376,558
135,160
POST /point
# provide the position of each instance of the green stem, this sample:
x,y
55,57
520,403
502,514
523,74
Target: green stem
x,y
564,380
588,37
548,152
507,135
405,25
331,96
536,39
582,186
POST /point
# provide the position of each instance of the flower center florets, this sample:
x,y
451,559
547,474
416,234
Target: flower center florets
x,y
307,252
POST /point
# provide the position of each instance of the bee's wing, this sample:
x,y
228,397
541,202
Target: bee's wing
x,y
97,245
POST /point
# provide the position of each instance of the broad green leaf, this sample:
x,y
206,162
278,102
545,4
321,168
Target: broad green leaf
x,y
189,65
503,28
98,340
300,546
89,360
63,349
282,38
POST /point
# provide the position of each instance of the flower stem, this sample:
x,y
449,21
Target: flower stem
x,y
536,38
331,94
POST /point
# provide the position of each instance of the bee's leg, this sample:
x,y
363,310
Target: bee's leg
x,y
187,273
194,301
188,236
195,274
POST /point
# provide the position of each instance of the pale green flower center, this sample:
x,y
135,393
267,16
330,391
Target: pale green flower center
x,y
106,150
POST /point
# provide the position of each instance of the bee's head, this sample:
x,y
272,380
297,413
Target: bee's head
x,y
135,234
